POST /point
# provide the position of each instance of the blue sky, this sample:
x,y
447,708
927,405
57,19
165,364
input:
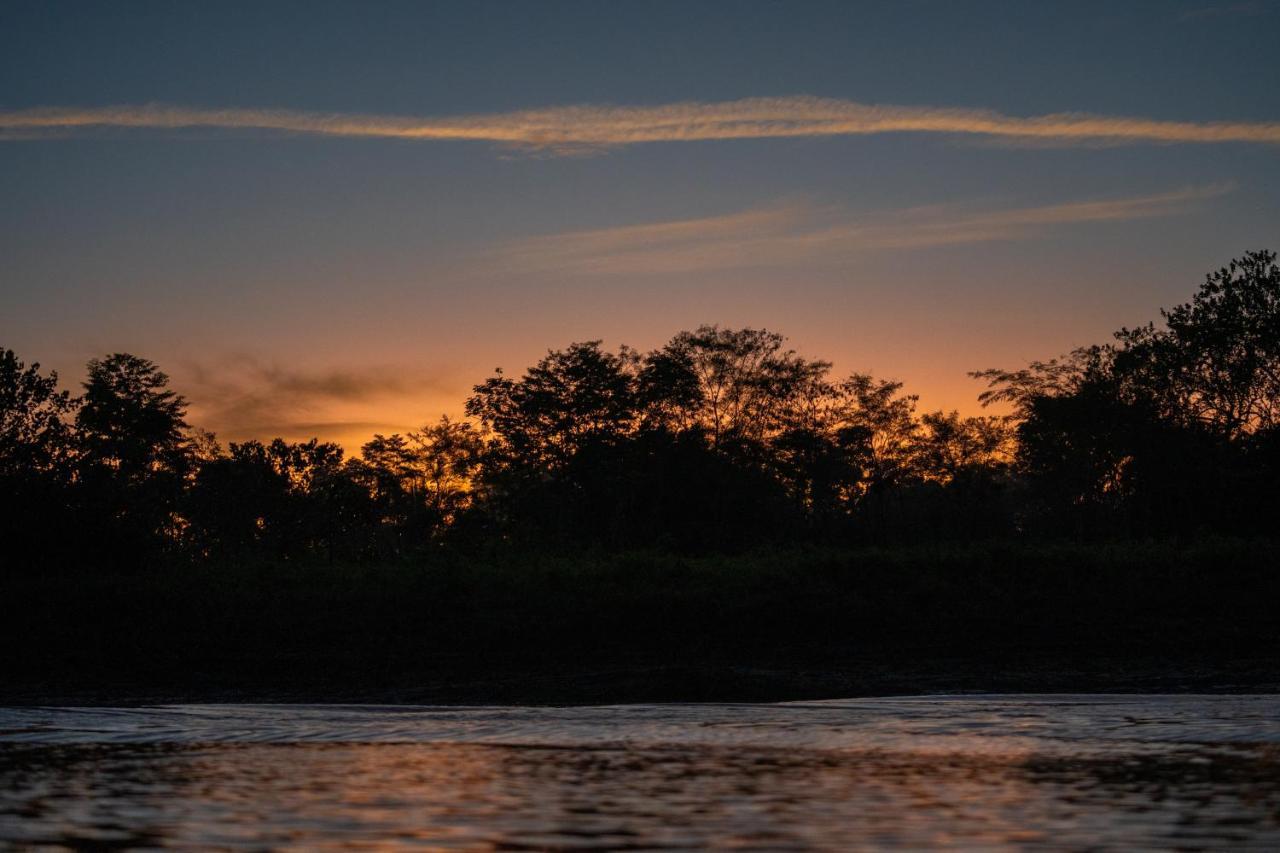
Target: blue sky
x,y
299,281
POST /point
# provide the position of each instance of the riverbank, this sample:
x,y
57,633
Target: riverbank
x,y
678,684
545,629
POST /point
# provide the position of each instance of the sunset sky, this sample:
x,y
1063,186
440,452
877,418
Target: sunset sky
x,y
331,220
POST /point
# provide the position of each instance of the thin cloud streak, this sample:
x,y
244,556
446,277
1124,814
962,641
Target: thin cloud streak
x,y
575,129
798,233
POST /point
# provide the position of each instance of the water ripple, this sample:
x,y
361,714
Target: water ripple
x,y
974,771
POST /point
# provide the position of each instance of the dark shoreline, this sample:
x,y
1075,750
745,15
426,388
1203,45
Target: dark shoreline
x,y
690,683
525,628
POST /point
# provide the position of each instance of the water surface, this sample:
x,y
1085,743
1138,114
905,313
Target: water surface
x,y
1191,772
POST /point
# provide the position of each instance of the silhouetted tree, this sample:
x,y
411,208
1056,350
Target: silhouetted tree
x,y
951,447
420,483
814,456
718,440
573,396
34,428
237,505
35,463
1216,362
134,456
448,456
880,422
733,383
388,468
964,467
129,420
328,512
1153,433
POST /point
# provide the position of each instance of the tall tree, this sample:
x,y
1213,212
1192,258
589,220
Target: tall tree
x,y
449,455
571,397
34,429
735,384
878,420
134,458
35,456
1160,430
129,420
951,446
1217,361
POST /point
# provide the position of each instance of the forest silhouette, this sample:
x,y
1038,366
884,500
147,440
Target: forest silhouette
x,y
721,440
719,518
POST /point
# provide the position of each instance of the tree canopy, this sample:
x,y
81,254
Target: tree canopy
x,y
717,440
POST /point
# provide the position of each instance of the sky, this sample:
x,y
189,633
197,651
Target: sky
x,y
332,219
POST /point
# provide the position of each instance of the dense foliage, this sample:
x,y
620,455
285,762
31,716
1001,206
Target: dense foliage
x,y
719,440
531,627
1168,430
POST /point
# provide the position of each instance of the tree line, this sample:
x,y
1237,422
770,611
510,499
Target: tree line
x,y
719,440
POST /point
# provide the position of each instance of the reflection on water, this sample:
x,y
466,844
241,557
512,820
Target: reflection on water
x,y
1075,772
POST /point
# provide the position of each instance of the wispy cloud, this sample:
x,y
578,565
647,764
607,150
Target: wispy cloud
x,y
241,397
574,129
798,232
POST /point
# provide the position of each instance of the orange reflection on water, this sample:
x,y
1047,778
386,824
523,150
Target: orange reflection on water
x,y
484,797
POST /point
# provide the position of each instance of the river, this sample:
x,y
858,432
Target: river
x,y
987,772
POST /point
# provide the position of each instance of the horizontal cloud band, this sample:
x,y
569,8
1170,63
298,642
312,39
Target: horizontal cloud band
x,y
578,127
792,234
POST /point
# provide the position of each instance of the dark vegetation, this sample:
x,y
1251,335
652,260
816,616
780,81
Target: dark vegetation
x,y
720,501
773,624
